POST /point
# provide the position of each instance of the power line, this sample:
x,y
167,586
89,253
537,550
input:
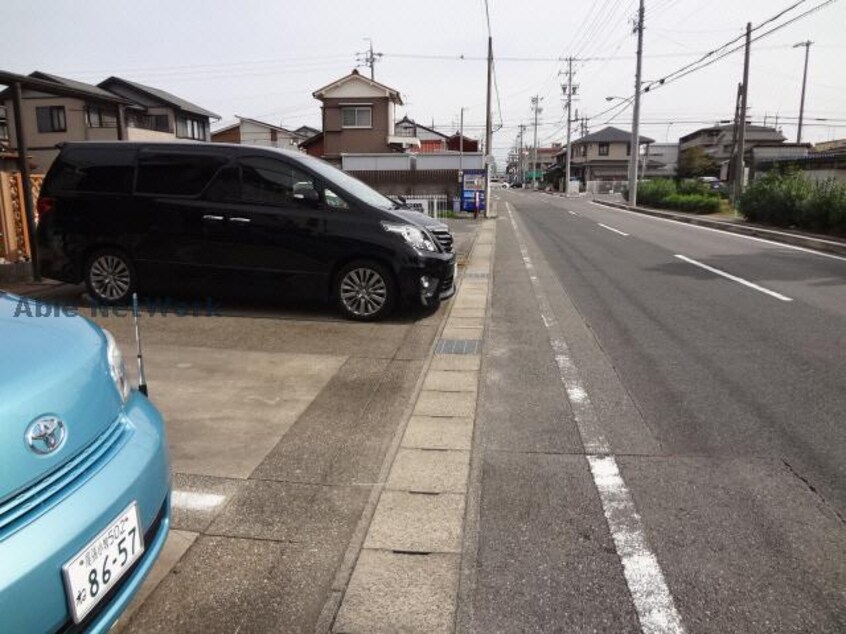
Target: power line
x,y
707,60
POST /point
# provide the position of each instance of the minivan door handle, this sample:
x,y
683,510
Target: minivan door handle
x,y
239,219
211,217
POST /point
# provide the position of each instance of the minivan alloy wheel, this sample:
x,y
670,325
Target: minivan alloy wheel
x,y
110,277
363,292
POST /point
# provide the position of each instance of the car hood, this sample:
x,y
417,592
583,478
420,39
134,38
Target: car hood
x,y
419,218
51,364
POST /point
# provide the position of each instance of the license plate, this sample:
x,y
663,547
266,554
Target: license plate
x,y
96,568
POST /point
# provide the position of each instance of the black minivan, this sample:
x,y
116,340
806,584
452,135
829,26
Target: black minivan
x,y
122,216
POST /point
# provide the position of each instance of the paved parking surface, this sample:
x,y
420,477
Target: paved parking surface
x,y
279,418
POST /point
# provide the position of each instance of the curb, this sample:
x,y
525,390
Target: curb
x,y
344,573
815,243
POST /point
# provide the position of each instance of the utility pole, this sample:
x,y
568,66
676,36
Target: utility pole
x,y
635,144
488,129
734,131
520,157
537,109
744,103
569,91
461,145
368,58
807,46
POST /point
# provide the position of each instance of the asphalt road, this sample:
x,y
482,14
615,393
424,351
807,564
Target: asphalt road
x,y
715,370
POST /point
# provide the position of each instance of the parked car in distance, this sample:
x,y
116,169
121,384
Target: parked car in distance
x,y
712,181
84,474
124,216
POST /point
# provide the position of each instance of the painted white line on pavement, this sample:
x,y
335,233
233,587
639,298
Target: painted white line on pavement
x,y
723,232
651,597
612,229
734,278
572,213
196,501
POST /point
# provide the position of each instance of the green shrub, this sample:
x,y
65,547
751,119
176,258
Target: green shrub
x,y
826,208
776,199
651,193
694,187
694,203
791,200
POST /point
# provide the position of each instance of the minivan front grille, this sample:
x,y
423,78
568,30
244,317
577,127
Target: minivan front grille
x,y
28,504
444,238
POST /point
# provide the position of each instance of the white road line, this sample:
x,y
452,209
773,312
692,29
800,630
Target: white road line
x,y
612,229
651,597
572,213
723,232
196,501
734,278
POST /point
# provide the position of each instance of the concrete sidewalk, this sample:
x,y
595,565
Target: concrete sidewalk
x,y
406,575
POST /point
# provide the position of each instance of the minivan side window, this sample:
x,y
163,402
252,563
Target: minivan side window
x,y
272,182
94,170
175,173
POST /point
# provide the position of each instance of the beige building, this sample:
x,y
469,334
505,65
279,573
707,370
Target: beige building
x,y
604,155
93,113
253,132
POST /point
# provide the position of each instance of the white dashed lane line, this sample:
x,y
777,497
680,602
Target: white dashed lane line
x,y
612,229
734,278
650,594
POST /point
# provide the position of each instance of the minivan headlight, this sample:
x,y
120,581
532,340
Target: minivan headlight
x,y
117,367
414,236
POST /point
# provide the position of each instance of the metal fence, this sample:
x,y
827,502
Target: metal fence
x,y
434,205
605,187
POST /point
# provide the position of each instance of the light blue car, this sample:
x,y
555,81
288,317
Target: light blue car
x,y
84,474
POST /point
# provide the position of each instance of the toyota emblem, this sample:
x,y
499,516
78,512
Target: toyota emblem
x,y
45,435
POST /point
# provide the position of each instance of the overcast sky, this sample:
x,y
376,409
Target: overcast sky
x,y
263,58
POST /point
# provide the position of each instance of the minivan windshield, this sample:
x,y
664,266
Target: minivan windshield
x,y
363,192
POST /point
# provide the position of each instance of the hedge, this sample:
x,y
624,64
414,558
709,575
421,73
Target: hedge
x,y
690,196
790,200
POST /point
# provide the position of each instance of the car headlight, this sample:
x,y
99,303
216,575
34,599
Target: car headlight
x,y
417,238
117,367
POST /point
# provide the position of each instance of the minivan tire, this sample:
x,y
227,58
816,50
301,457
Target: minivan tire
x,y
110,277
365,291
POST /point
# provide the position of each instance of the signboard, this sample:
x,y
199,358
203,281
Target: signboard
x,y
473,190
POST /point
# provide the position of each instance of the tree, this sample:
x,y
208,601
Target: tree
x,y
694,162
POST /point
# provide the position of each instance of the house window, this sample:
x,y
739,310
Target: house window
x,y
189,128
157,122
51,119
99,117
603,149
357,117
628,149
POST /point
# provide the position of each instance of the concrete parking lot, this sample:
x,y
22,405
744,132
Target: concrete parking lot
x,y
279,419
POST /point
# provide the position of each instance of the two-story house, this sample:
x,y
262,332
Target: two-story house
x,y
603,156
115,110
358,116
254,132
718,141
161,115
